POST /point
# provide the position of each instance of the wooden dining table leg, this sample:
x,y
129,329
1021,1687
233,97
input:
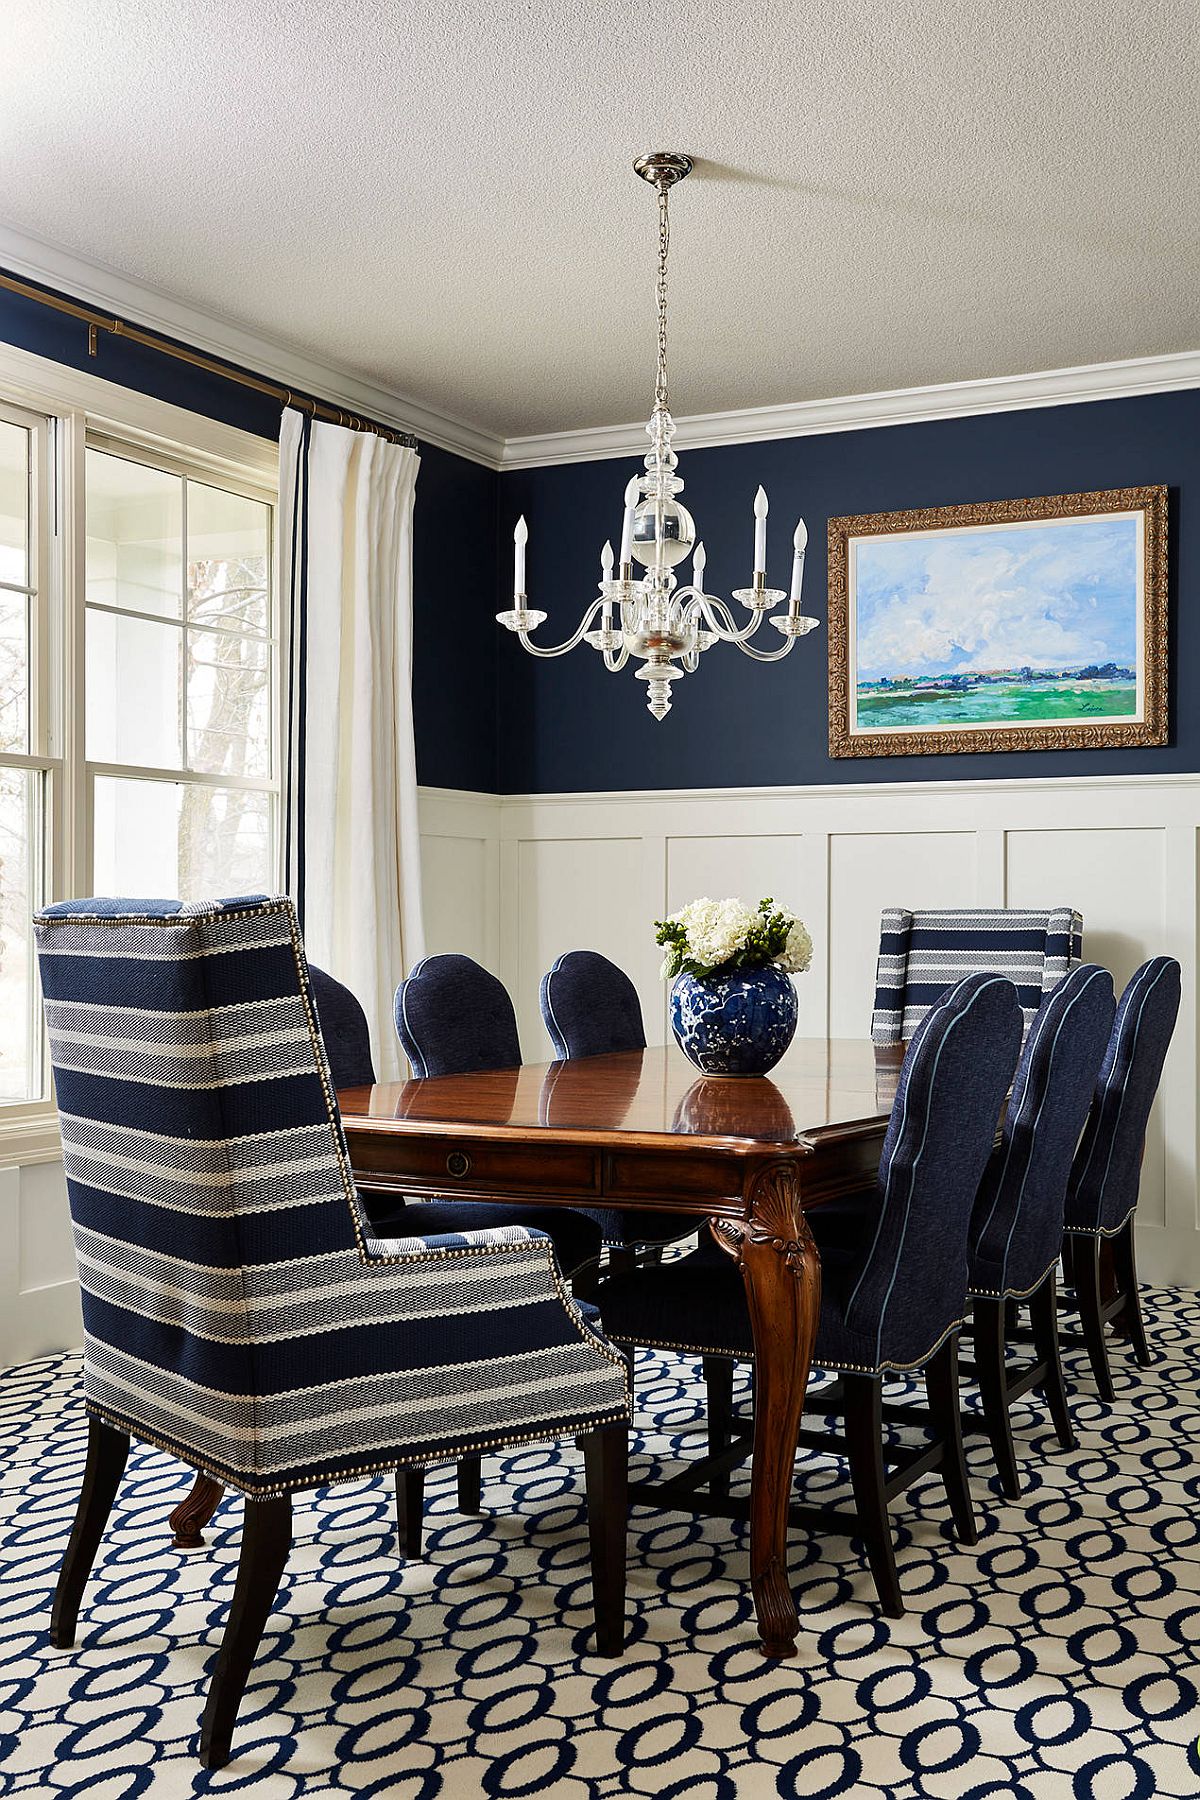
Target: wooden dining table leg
x,y
781,1268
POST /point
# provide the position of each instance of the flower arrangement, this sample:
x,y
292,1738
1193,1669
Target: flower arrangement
x,y
715,937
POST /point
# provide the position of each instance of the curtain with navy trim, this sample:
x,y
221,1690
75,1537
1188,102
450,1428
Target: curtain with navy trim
x,y
351,833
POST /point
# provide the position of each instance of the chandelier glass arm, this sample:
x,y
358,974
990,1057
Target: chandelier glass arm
x,y
575,638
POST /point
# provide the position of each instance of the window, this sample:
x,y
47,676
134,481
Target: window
x,y
180,680
24,743
138,683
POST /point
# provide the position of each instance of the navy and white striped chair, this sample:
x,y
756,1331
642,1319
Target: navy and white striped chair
x,y
238,1313
921,954
1106,1176
892,1301
591,1008
1017,1225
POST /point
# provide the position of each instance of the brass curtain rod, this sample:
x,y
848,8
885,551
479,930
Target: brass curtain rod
x,y
97,321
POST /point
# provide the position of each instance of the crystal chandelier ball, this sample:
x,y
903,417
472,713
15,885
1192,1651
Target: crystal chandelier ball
x,y
678,532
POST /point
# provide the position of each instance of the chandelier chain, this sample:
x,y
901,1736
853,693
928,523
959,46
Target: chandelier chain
x,y
664,245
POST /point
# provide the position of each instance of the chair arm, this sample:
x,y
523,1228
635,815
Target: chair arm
x,y
416,1350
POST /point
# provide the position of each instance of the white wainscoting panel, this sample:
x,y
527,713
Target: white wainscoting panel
x,y
39,1291
868,870
595,870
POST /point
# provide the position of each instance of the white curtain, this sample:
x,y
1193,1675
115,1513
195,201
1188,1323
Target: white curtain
x,y
353,845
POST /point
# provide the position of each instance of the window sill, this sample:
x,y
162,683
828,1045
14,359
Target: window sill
x,y
29,1136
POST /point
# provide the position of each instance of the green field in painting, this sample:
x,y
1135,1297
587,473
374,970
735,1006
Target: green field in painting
x,y
1061,702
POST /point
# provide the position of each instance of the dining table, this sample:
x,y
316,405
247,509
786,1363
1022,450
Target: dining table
x,y
745,1157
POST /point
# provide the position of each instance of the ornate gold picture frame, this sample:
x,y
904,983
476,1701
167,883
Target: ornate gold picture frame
x,y
1009,625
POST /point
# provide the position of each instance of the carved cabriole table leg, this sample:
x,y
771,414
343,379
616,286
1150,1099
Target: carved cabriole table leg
x,y
781,1268
194,1511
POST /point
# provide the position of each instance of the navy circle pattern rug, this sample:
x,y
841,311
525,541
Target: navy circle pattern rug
x,y
1056,1661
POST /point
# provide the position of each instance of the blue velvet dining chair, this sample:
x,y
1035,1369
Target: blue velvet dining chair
x,y
921,954
591,1008
238,1311
1017,1224
1106,1175
892,1301
455,1018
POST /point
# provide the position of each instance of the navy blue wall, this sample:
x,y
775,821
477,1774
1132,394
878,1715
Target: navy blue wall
x,y
453,538
569,725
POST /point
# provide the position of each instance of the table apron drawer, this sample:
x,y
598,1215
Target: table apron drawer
x,y
446,1164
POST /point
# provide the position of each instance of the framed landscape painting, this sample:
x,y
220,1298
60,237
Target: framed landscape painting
x,y
1009,625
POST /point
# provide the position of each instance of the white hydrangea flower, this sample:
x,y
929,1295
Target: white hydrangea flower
x,y
716,929
797,952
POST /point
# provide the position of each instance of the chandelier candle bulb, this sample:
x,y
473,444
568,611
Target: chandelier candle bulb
x,y
760,532
699,559
606,562
520,539
798,546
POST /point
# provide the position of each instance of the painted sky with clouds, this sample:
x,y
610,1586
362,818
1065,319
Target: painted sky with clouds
x,y
1054,596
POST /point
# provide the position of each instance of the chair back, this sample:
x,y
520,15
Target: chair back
x,y
590,1007
912,1285
453,1017
921,954
344,1029
1017,1225
206,1170
1107,1170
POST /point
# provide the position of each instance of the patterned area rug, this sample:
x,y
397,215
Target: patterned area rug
x,y
1057,1661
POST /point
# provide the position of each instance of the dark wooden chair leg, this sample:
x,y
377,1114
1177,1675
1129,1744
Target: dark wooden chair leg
x,y
945,1409
410,1512
718,1379
470,1484
106,1453
988,1338
868,1477
266,1540
606,1469
1125,1267
194,1512
1085,1259
1043,1314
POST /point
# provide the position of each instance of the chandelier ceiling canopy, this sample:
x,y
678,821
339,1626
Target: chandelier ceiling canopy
x,y
664,626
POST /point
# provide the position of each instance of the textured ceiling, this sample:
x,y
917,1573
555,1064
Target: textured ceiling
x,y
440,198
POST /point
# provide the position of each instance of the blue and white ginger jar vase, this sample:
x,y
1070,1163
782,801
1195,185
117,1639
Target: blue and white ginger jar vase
x,y
736,1024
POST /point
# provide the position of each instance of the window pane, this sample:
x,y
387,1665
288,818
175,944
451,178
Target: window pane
x,y
14,671
172,840
134,535
14,503
228,550
228,700
20,892
134,687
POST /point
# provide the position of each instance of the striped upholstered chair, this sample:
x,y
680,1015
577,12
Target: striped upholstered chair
x,y
921,954
237,1311
1106,1176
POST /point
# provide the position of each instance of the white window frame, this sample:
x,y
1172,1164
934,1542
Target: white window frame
x,y
182,466
71,407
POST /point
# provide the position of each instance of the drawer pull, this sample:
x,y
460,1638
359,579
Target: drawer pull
x,y
458,1163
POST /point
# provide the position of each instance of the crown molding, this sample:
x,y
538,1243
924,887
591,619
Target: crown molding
x,y
109,292
103,288
862,412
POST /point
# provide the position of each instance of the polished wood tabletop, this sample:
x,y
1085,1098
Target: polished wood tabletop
x,y
836,1087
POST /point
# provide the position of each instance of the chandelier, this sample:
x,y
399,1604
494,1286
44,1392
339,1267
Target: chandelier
x,y
665,626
